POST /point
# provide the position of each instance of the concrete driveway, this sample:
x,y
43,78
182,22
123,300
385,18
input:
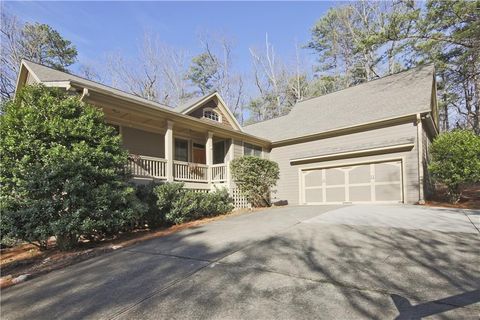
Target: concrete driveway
x,y
354,262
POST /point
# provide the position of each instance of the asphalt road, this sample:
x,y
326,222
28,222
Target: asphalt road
x,y
317,262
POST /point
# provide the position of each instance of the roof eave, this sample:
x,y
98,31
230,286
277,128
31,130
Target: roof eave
x,y
172,114
347,129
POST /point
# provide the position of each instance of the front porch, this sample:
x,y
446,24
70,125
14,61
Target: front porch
x,y
145,167
177,154
167,145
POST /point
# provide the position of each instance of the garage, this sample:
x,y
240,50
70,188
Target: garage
x,y
376,182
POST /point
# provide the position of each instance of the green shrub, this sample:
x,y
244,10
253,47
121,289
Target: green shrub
x,y
153,216
62,171
455,160
181,205
167,194
214,203
254,177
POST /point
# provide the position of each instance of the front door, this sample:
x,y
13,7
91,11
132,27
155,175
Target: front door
x,y
199,155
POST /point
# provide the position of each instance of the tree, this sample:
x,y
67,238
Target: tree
x,y
35,42
341,39
272,83
362,40
255,177
455,160
158,73
62,170
212,70
449,35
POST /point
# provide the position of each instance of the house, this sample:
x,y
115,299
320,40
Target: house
x,y
365,144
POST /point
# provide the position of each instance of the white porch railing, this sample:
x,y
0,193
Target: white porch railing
x,y
143,166
186,171
151,167
219,172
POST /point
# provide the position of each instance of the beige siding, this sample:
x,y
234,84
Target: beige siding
x,y
30,80
427,141
143,143
288,185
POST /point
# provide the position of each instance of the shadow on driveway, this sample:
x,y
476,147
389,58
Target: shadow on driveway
x,y
267,265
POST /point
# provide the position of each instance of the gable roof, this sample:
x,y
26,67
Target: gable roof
x,y
190,102
393,96
50,76
54,78
195,103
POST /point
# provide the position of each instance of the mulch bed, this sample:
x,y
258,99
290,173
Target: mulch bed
x,y
470,198
26,261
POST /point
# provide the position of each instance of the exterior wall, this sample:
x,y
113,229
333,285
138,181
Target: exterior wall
x,y
30,80
142,142
198,113
288,187
427,141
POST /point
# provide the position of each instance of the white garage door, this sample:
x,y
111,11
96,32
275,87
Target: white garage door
x,y
371,182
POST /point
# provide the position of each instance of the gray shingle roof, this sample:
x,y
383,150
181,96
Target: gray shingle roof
x,y
190,102
396,95
46,74
352,147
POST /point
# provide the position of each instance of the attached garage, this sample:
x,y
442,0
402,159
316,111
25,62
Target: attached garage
x,y
375,182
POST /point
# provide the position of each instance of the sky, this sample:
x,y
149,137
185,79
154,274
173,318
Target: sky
x,y
99,28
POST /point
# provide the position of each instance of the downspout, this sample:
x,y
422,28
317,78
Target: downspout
x,y
421,199
85,93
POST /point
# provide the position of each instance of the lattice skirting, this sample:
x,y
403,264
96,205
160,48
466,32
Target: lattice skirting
x,y
239,201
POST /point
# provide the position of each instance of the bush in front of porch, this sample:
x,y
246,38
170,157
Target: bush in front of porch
x,y
255,177
170,203
62,171
180,205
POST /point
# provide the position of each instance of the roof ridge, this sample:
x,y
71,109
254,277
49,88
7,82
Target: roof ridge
x,y
373,80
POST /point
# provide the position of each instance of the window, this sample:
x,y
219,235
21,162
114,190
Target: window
x,y
210,114
252,150
181,150
219,152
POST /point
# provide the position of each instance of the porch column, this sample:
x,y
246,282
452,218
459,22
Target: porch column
x,y
230,157
209,155
169,152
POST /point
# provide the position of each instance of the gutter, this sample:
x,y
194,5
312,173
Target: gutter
x,y
354,153
347,129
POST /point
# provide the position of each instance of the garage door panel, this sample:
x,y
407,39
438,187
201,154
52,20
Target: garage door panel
x,y
313,178
385,172
360,193
359,174
370,182
314,195
335,194
388,192
334,176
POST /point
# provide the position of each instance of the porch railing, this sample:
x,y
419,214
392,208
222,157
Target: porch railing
x,y
219,172
186,171
151,167
144,166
